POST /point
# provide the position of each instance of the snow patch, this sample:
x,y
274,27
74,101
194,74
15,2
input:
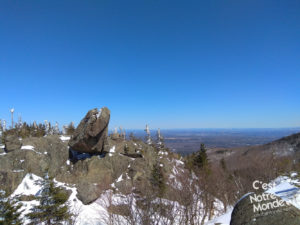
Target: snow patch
x,y
64,138
120,178
99,113
17,171
28,185
27,147
179,162
113,149
221,220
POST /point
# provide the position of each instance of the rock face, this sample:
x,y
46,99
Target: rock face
x,y
12,143
90,135
47,154
243,213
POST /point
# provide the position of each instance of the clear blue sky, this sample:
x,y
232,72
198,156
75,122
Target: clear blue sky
x,y
171,64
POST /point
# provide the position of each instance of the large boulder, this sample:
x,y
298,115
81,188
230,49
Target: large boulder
x,y
273,211
12,143
90,135
88,192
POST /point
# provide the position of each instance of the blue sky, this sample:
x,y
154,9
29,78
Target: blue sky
x,y
171,64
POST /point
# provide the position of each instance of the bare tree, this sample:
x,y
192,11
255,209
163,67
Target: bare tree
x,y
12,117
148,135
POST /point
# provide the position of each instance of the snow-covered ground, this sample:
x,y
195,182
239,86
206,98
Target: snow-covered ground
x,y
95,213
221,220
85,214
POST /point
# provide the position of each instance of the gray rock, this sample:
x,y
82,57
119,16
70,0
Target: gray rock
x,y
244,213
87,192
91,134
12,143
10,180
49,154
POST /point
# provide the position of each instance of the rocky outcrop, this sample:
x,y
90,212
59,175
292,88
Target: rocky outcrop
x,y
245,214
39,155
90,135
123,165
12,143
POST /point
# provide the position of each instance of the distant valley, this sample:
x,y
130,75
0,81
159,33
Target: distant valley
x,y
185,141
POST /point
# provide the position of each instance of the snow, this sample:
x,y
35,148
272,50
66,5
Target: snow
x,y
68,162
293,174
28,185
99,113
113,149
163,153
221,220
120,178
64,138
2,146
179,162
17,171
287,190
94,213
27,147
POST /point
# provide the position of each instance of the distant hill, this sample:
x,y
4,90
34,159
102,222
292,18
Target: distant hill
x,y
286,146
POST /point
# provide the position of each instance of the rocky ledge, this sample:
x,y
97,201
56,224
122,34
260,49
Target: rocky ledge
x,y
129,162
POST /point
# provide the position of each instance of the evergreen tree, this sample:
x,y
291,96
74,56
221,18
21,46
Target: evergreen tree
x,y
126,149
201,159
53,207
157,179
70,129
223,164
10,213
40,130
